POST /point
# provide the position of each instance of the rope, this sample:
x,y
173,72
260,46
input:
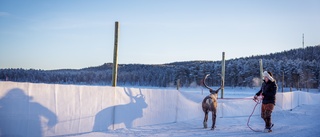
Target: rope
x,y
258,101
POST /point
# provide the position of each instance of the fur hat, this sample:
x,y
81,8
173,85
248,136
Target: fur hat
x,y
268,75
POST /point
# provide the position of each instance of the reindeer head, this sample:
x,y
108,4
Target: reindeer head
x,y
139,99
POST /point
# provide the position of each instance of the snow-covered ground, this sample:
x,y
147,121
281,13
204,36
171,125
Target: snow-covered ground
x,y
28,109
301,121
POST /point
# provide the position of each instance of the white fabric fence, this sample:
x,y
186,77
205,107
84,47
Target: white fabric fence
x,y
28,109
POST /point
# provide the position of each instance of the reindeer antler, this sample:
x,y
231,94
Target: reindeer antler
x,y
204,82
129,95
134,98
210,89
222,80
140,94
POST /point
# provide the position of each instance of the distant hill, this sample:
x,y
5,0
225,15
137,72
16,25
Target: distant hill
x,y
301,68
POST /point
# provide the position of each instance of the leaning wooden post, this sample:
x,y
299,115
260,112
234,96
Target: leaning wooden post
x,y
115,56
223,64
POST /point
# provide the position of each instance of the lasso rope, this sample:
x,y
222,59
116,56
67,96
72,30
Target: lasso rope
x,y
258,101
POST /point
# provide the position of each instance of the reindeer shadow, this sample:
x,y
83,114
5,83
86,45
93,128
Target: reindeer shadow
x,y
118,114
20,116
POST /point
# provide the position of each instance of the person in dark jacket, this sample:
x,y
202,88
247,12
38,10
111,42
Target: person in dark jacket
x,y
268,91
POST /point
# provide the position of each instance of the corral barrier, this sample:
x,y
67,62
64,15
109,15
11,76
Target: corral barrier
x,y
29,109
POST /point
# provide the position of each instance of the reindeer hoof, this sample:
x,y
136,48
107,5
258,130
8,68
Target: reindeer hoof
x,y
205,125
212,128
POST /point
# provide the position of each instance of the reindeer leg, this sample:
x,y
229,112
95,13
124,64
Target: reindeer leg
x,y
205,125
214,115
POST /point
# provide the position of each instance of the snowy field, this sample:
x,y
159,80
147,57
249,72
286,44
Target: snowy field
x,y
300,121
28,109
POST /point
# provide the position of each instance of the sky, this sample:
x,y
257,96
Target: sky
x,y
74,34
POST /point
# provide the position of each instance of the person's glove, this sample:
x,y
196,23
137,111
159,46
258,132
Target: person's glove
x,y
255,98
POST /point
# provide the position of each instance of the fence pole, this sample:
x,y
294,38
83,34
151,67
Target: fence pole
x,y
261,71
178,84
282,80
223,63
115,56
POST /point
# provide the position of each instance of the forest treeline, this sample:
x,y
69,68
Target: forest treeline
x,y
297,68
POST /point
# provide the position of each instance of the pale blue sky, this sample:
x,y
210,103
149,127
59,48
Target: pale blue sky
x,y
57,34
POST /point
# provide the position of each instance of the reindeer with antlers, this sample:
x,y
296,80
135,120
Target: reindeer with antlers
x,y
210,103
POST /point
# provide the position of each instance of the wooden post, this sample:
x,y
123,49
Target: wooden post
x,y
261,71
115,56
282,80
178,84
223,63
319,81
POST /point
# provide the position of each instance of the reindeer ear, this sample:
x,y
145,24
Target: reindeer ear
x,y
217,90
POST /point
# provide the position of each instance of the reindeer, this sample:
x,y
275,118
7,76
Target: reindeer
x,y
129,112
210,103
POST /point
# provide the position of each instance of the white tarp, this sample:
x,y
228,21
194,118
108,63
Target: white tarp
x,y
28,109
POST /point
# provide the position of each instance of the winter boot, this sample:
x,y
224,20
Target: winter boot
x,y
267,130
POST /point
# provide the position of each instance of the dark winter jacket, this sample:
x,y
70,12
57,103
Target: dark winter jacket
x,y
269,91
